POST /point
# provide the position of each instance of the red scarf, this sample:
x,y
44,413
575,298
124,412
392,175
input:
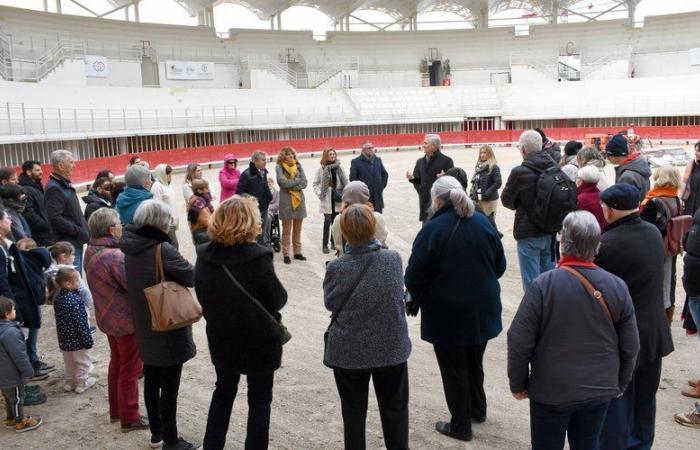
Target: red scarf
x,y
632,156
572,261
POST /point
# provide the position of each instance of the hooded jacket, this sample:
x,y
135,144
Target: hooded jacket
x,y
229,178
241,337
163,191
15,368
15,284
635,172
157,348
64,212
520,191
94,201
34,212
129,200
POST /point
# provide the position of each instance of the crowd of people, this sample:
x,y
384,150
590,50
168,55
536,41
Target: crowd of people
x,y
585,346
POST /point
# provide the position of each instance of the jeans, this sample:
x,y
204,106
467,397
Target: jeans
x,y
264,238
259,401
549,425
160,390
327,222
462,371
78,262
125,366
535,258
391,388
630,421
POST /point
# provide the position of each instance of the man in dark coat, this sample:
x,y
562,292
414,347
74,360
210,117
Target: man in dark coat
x,y
369,169
634,251
253,182
535,246
35,212
427,170
63,207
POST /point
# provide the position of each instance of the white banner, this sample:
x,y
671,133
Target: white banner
x,y
695,56
96,66
189,70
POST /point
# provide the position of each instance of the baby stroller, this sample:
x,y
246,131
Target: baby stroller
x,y
274,232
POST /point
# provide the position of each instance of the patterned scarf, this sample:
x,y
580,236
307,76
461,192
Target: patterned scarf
x,y
479,171
327,178
292,171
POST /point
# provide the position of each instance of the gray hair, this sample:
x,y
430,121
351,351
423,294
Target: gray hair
x,y
530,141
258,154
589,174
590,156
137,175
60,155
367,144
434,139
101,221
449,191
580,235
154,213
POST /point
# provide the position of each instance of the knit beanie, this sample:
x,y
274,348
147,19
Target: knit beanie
x,y
137,175
355,192
617,146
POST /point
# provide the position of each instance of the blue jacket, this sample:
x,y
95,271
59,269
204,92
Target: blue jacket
x,y
15,368
374,175
456,285
129,200
15,283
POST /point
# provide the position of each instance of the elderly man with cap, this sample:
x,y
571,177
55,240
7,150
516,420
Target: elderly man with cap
x,y
357,192
138,185
633,250
631,167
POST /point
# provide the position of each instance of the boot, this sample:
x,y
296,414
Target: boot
x,y
693,392
669,314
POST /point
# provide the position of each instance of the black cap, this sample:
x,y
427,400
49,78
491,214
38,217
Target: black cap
x,y
617,146
621,196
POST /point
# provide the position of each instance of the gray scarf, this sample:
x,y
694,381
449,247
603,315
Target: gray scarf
x,y
326,178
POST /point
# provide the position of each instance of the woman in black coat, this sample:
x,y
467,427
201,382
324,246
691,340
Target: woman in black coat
x,y
163,352
243,339
486,182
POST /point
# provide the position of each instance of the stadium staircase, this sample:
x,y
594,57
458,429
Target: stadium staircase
x,y
34,69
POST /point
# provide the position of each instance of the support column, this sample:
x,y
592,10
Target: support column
x,y
272,22
347,22
137,17
279,21
126,13
58,7
554,12
46,5
631,10
482,15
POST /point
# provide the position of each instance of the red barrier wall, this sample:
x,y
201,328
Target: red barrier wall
x,y
86,169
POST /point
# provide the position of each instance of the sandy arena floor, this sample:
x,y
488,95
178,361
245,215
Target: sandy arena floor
x,y
306,409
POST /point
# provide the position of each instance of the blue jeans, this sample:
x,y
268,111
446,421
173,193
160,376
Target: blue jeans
x,y
549,425
78,262
535,258
631,418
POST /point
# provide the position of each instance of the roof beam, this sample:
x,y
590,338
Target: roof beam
x,y
366,22
76,2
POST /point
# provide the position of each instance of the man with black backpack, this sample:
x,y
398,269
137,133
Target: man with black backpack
x,y
541,195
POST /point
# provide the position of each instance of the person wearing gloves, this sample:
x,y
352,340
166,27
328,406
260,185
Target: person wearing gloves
x,y
162,190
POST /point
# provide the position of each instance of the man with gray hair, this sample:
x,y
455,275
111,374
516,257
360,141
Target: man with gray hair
x,y
570,385
369,169
63,207
427,169
253,182
535,245
138,189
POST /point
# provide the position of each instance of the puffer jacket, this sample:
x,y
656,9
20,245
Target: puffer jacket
x,y
229,178
519,194
691,260
94,201
15,368
635,172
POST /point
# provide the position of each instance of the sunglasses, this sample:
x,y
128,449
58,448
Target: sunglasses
x,y
231,163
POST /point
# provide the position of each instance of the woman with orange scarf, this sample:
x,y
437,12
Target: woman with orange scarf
x,y
292,210
659,206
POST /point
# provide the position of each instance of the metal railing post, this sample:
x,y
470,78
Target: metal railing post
x,y
60,121
140,119
109,120
43,122
157,120
9,118
92,119
24,119
124,117
75,119
172,119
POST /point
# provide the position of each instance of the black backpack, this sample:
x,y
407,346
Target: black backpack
x,y
555,197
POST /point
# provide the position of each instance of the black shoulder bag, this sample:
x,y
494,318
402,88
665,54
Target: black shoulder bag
x,y
335,314
285,335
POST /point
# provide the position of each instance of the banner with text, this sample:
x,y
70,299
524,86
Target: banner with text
x,y
189,70
96,66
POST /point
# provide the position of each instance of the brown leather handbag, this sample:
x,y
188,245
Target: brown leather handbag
x,y
172,306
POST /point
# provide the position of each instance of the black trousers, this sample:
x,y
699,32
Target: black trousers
x,y
462,370
160,390
391,387
327,222
259,401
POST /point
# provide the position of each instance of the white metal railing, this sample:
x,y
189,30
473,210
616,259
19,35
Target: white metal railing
x,y
35,69
5,53
266,62
308,75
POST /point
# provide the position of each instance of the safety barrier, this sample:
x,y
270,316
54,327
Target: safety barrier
x,y
86,169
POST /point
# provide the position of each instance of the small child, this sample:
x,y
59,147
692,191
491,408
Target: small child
x,y
15,370
63,255
74,337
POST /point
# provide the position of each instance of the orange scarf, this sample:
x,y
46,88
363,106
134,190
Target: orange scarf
x,y
659,192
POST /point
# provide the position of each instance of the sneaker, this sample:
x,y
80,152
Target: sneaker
x,y
693,392
87,384
39,375
68,386
32,389
300,257
690,419
36,398
325,250
141,424
694,382
181,444
41,365
93,329
156,441
287,260
446,429
10,423
29,423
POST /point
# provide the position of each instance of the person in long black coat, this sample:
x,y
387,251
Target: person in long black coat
x,y
427,170
163,352
452,274
253,181
369,169
633,250
35,212
242,338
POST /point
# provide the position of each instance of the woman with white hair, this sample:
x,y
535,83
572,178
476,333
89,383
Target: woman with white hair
x,y
452,277
587,179
573,344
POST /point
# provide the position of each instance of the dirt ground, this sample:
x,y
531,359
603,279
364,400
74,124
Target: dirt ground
x,y
306,409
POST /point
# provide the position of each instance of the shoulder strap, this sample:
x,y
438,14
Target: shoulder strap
x,y
247,294
597,295
334,316
160,275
